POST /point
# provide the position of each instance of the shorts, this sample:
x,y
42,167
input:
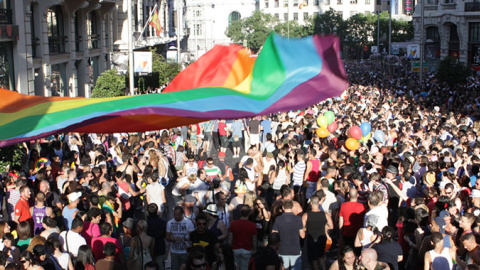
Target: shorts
x,y
237,143
316,249
254,139
224,141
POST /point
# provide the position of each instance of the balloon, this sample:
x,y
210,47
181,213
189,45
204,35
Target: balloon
x,y
379,136
332,127
356,132
366,128
322,121
366,138
352,144
330,116
322,132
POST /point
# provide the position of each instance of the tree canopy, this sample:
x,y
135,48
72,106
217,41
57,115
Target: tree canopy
x,y
109,84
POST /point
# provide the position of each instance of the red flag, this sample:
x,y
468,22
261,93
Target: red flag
x,y
155,23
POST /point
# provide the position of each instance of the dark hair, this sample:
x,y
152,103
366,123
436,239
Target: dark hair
x,y
109,249
24,231
105,228
193,256
28,256
111,196
244,211
273,239
93,213
387,234
85,256
94,200
54,242
152,209
229,258
341,262
77,222
436,237
8,236
288,204
49,222
153,264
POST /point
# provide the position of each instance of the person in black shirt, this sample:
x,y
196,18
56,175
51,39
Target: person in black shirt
x,y
206,238
157,227
267,258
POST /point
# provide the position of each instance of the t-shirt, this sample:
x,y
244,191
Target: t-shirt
x,y
242,232
22,210
154,191
181,183
330,202
267,126
388,253
221,129
208,240
237,127
99,242
288,226
74,240
179,229
254,126
213,171
298,172
90,230
352,213
157,228
382,213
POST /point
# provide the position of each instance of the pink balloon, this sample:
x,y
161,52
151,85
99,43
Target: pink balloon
x,y
332,127
356,132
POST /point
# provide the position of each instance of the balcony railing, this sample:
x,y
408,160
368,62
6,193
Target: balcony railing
x,y
470,7
6,16
56,44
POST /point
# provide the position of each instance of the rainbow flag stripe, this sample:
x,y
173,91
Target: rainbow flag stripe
x,y
225,83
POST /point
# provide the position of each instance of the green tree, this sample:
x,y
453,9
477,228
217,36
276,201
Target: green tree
x,y
330,23
11,157
109,84
164,70
293,29
452,71
402,31
254,29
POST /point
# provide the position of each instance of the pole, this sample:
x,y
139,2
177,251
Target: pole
x,y
149,18
130,49
288,17
195,32
178,30
390,30
422,12
378,31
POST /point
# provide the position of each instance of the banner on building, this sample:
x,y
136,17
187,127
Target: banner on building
x,y
374,49
142,61
413,51
395,49
172,55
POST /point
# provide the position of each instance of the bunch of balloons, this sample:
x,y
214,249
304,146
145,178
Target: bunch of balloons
x,y
358,134
326,123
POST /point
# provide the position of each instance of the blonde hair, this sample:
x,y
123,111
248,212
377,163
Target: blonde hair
x,y
249,199
36,240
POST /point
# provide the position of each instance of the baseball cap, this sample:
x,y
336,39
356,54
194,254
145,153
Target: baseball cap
x,y
74,196
128,223
221,154
441,223
190,198
444,214
392,169
475,193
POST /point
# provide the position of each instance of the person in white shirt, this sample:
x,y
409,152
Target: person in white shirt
x,y
178,234
72,240
378,208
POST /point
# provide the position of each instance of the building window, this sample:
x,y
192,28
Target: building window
x,y
266,3
434,2
295,16
327,2
285,17
432,34
58,86
277,16
56,39
285,3
339,2
295,3
316,14
197,29
6,66
78,38
353,1
340,13
316,2
92,30
233,17
305,16
367,2
277,3
352,13
474,32
379,2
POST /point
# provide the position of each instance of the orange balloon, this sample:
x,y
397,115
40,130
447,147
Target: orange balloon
x,y
352,144
322,132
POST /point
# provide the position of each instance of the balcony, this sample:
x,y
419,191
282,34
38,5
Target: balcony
x,y
56,44
6,16
472,7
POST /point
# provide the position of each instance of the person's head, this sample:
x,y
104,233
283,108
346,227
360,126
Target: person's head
x,y
77,225
37,240
105,229
178,213
245,211
225,255
314,201
94,215
40,252
142,226
387,234
375,198
467,220
152,265
437,239
196,261
4,228
348,256
287,206
201,222
27,260
274,240
85,255
468,241
152,209
286,192
25,192
49,223
109,249
24,231
8,240
368,257
221,199
54,243
44,186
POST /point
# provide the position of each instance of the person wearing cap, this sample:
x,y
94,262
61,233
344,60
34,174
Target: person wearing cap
x,y
395,193
70,210
214,223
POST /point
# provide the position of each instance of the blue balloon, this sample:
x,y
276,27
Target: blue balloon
x,y
366,128
379,136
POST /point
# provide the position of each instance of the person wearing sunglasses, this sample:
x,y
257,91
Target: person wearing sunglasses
x,y
196,261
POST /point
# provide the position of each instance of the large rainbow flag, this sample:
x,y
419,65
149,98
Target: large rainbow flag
x,y
226,83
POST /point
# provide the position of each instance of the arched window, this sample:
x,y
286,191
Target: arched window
x,y
234,16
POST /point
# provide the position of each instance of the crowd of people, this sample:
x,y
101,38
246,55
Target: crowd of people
x,y
267,192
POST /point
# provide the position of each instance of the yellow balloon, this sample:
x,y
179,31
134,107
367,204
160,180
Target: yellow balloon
x,y
322,132
365,139
352,144
322,121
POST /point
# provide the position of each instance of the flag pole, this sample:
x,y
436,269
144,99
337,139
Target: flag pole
x,y
149,18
